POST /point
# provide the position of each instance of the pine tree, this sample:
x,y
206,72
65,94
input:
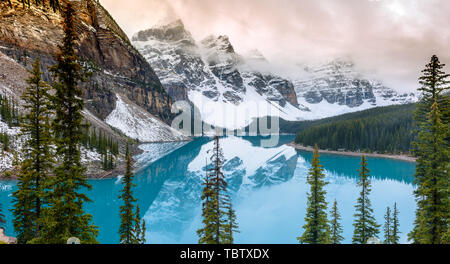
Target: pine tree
x,y
432,174
206,234
317,230
144,230
434,87
431,147
216,199
395,226
336,227
5,141
139,228
65,217
365,224
388,226
38,160
231,226
127,217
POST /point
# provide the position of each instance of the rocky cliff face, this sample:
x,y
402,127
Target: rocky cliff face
x,y
211,71
104,50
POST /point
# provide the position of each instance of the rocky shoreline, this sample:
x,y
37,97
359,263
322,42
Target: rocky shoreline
x,y
356,154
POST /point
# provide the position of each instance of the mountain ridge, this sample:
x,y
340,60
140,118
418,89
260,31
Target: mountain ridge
x,y
210,72
104,48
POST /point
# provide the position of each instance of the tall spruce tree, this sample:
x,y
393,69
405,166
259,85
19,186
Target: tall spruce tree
x,y
139,228
432,193
38,162
127,216
364,225
431,147
142,238
231,226
216,200
64,216
336,226
219,186
395,238
388,226
317,230
206,234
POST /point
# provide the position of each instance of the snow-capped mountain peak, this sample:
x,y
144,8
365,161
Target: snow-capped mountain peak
x,y
231,90
172,32
218,43
215,78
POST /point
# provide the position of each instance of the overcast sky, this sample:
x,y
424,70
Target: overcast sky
x,y
391,39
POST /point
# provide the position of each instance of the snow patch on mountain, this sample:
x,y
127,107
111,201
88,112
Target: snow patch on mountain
x,y
228,92
137,123
15,146
88,155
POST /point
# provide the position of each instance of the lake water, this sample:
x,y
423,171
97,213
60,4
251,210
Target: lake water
x,y
268,186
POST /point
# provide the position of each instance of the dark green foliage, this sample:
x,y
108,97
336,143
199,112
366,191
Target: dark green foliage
x,y
144,230
431,148
108,162
336,226
4,139
387,226
434,87
139,228
131,230
127,216
395,226
9,113
432,179
103,144
364,224
391,226
231,226
99,142
219,186
34,171
386,129
206,234
317,230
219,219
64,217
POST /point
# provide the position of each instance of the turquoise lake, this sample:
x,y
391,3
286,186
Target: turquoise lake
x,y
268,186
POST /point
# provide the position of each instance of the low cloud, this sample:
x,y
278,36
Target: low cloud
x,y
389,39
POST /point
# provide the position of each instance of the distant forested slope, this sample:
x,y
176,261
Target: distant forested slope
x,y
382,129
